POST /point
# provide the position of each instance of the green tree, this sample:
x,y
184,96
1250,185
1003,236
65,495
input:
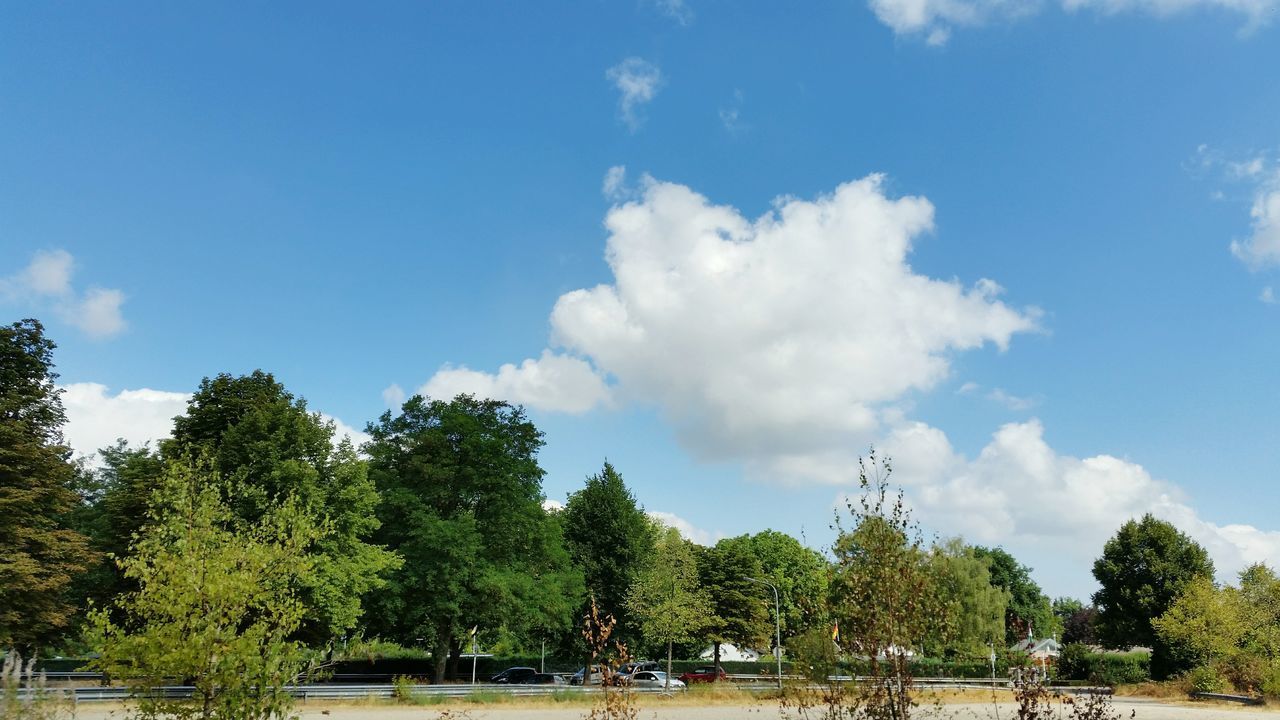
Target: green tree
x,y
41,554
742,615
216,604
1029,610
267,444
801,576
610,537
462,503
883,597
974,614
1142,571
666,599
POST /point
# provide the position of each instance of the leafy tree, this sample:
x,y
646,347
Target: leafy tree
x,y
742,615
610,537
1142,571
266,444
462,502
114,504
882,594
41,554
217,603
1029,610
666,599
1077,620
801,576
974,608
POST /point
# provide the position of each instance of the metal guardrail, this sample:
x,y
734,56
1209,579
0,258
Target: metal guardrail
x,y
343,691
1244,699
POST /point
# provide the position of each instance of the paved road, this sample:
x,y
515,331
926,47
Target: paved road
x,y
1145,710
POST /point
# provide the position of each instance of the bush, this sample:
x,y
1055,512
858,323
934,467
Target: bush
x,y
1205,679
1078,662
1245,671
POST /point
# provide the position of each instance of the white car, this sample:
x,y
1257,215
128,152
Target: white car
x,y
653,679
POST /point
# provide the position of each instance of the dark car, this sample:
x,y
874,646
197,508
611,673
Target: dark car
x,y
513,676
544,679
704,675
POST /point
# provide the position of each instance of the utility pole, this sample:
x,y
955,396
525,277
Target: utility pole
x,y
777,624
473,654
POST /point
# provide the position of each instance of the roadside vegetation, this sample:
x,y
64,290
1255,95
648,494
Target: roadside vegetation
x,y
253,549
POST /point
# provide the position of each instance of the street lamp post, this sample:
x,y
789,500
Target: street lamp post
x,y
777,623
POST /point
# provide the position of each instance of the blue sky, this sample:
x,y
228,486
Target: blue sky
x,y
1000,248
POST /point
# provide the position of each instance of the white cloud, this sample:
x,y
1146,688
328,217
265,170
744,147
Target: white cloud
x,y
686,528
96,418
1268,295
677,10
552,505
97,314
1019,489
638,81
999,396
49,273
777,342
934,20
731,116
1262,248
614,186
342,430
393,396
555,382
46,285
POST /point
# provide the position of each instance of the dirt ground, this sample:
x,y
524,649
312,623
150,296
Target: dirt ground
x,y
1144,709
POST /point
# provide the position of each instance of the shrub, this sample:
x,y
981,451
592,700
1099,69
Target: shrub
x,y
1205,679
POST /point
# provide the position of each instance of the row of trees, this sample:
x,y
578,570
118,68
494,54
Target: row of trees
x,y
438,526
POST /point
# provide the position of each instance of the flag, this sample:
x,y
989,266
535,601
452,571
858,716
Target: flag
x,y
835,632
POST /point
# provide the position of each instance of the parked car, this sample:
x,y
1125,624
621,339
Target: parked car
x,y
626,670
653,679
544,679
595,676
704,675
513,675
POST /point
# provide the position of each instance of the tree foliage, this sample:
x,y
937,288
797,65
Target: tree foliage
x,y
1029,609
801,576
667,601
1142,571
742,614
609,536
41,555
974,609
462,503
265,443
217,602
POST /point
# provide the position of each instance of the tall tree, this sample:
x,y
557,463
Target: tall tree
x,y
462,503
268,446
1142,571
974,609
801,576
41,554
216,603
666,599
610,537
1029,609
882,594
1077,621
741,610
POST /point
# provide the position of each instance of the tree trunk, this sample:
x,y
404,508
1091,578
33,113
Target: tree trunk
x,y
715,677
440,654
669,653
455,658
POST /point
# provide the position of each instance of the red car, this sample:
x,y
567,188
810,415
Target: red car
x,y
704,675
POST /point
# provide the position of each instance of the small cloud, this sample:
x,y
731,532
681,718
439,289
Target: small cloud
x,y
46,284
999,396
1268,296
686,529
614,187
342,430
731,116
638,81
677,10
552,505
393,396
969,388
1261,173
